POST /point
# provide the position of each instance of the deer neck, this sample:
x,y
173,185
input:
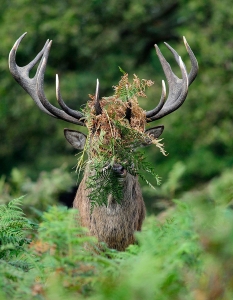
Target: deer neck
x,y
130,185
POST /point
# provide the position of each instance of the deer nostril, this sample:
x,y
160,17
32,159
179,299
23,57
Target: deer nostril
x,y
118,169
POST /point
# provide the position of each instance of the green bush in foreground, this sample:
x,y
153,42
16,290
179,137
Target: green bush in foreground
x,y
187,255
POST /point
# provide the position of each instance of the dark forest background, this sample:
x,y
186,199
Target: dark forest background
x,y
90,40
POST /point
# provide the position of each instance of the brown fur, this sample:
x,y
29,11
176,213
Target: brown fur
x,y
115,224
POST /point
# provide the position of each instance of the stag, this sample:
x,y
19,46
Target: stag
x,y
116,223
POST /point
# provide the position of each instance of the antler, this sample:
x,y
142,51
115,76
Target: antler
x,y
34,86
98,109
178,88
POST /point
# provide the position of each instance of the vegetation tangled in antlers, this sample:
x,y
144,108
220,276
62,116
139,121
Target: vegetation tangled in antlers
x,y
115,140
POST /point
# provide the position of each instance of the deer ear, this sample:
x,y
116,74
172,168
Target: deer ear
x,y
153,133
75,138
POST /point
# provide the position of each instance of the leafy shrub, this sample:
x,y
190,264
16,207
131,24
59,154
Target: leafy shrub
x,y
67,260
186,255
61,255
39,194
14,257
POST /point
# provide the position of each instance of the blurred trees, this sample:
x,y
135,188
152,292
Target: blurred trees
x,y
90,40
205,122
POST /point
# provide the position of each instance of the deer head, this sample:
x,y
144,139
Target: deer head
x,y
116,223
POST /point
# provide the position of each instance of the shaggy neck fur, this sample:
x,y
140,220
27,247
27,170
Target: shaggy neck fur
x,y
115,224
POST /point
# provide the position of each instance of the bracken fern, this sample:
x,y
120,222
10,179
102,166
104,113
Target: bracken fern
x,y
112,138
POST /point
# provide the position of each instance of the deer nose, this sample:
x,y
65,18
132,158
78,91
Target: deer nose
x,y
118,169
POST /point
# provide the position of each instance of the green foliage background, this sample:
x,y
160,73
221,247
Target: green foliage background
x,y
184,253
90,40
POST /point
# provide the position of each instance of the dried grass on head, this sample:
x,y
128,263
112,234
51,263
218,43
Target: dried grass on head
x,y
113,138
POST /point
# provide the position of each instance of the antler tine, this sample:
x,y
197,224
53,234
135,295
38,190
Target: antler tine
x,y
194,69
14,68
171,106
20,74
154,111
98,108
177,87
174,82
40,92
76,114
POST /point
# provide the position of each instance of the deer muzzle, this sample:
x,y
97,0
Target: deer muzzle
x,y
119,170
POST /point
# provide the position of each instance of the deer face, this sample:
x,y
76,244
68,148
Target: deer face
x,y
78,139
